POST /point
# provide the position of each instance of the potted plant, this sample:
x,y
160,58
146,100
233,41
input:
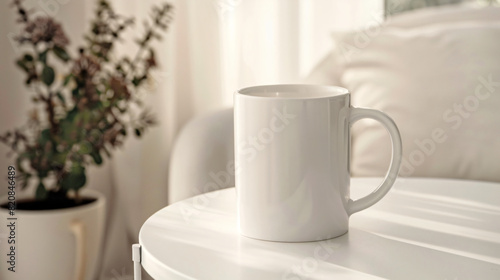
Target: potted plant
x,y
77,121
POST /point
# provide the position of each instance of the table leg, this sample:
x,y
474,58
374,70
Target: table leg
x,y
136,258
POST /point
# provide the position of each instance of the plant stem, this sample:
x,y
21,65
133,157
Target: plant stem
x,y
50,95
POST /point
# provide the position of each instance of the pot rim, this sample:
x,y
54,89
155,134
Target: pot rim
x,y
97,203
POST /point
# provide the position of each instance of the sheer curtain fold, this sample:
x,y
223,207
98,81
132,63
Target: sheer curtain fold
x,y
212,48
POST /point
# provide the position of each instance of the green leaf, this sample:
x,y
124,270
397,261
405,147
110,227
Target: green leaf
x,y
59,158
61,53
77,120
136,81
66,128
75,179
43,173
43,56
22,64
61,97
67,79
72,114
28,57
48,75
44,137
86,114
138,132
75,92
41,192
77,168
96,156
85,148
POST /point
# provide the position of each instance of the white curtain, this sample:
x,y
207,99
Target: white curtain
x,y
212,48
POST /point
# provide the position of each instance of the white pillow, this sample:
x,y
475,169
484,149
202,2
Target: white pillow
x,y
421,77
327,72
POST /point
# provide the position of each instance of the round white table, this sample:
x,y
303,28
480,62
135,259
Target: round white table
x,y
423,229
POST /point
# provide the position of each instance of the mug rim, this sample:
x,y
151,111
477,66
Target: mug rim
x,y
267,91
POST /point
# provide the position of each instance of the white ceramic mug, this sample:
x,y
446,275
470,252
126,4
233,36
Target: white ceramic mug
x,y
292,154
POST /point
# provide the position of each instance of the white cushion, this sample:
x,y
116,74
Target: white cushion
x,y
421,77
327,71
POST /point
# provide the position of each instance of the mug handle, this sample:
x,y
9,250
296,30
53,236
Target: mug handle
x,y
356,114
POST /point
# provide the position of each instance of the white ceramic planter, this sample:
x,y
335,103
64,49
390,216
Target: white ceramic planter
x,y
62,244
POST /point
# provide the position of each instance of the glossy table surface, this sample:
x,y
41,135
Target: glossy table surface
x,y
423,229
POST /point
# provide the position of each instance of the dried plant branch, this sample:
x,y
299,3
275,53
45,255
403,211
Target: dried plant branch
x,y
84,113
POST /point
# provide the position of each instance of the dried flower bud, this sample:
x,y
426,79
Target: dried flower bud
x,y
45,29
86,66
119,88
